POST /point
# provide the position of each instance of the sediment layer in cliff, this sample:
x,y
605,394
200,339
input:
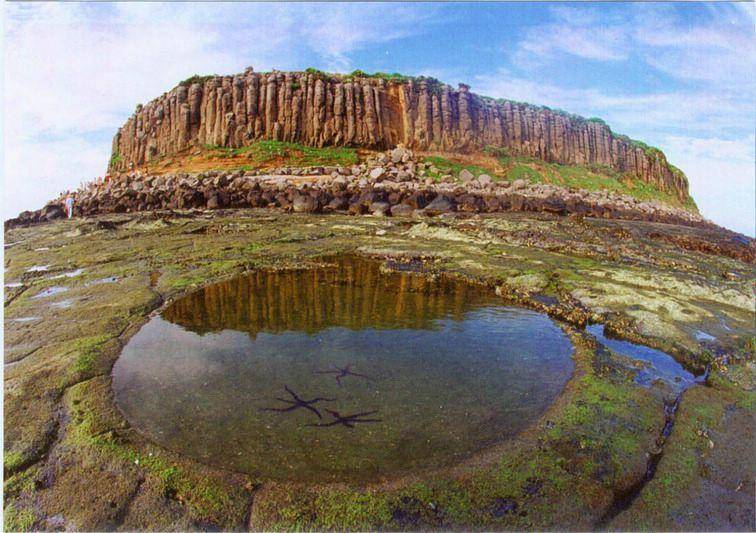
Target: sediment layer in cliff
x,y
320,109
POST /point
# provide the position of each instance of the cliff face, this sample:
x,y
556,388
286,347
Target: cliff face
x,y
318,110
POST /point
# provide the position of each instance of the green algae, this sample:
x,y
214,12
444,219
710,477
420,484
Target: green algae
x,y
12,460
98,430
560,456
688,455
18,519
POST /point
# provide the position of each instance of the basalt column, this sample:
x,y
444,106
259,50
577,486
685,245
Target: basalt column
x,y
318,110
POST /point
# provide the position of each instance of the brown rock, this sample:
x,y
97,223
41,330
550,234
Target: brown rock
x,y
237,110
401,210
304,203
440,204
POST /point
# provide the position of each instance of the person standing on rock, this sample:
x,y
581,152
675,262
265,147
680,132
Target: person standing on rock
x,y
69,205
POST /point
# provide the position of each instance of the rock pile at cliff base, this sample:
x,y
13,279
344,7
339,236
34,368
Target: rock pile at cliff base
x,y
387,184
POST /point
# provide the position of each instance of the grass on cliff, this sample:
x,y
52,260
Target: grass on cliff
x,y
442,166
590,178
502,166
293,154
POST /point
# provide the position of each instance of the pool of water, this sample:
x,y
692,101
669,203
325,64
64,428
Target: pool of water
x,y
658,365
50,291
343,372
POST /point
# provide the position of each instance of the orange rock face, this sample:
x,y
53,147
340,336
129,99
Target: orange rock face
x,y
319,110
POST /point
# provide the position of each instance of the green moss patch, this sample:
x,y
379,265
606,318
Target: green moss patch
x,y
447,166
287,153
561,474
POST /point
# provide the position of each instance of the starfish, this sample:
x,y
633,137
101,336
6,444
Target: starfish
x,y
347,420
298,402
342,373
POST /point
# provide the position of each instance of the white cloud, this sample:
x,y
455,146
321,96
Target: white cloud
x,y
74,71
576,32
703,118
53,167
647,113
721,51
67,79
600,43
722,177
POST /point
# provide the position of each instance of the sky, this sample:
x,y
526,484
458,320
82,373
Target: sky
x,y
679,76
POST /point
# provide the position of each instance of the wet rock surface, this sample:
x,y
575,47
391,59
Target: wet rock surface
x,y
71,459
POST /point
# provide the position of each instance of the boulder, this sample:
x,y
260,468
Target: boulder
x,y
401,210
554,204
466,176
416,200
440,205
469,203
377,173
52,212
380,209
339,203
304,203
213,202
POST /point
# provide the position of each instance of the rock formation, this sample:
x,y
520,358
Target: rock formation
x,y
379,187
320,109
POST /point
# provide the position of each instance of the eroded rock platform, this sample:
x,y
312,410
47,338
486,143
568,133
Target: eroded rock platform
x,y
76,291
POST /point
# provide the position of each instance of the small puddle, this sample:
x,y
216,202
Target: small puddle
x,y
100,281
346,372
71,274
38,268
659,366
25,319
703,336
63,304
14,285
50,291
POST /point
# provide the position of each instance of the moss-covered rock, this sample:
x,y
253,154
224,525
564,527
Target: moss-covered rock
x,y
72,461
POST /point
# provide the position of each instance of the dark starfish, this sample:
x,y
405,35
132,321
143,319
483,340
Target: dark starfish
x,y
297,403
347,420
342,373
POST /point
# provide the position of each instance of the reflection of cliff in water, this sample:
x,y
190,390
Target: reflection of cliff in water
x,y
354,293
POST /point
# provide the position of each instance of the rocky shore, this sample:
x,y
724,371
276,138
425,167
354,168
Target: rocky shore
x,y
393,183
77,291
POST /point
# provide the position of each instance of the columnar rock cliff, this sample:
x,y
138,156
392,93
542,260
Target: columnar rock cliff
x,y
321,109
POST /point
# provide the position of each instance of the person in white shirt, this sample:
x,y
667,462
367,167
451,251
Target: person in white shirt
x,y
69,205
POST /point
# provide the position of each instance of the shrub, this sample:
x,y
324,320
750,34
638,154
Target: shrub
x,y
315,72
196,79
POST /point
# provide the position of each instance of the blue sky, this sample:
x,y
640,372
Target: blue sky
x,y
679,76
